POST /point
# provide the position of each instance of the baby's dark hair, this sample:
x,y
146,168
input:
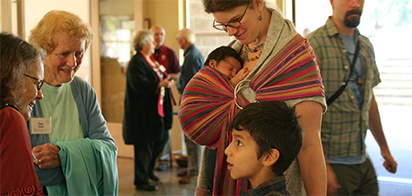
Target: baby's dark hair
x,y
221,53
272,124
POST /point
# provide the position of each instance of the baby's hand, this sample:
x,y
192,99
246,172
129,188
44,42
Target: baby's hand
x,y
241,74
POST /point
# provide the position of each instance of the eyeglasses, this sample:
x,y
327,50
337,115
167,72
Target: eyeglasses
x,y
234,24
39,82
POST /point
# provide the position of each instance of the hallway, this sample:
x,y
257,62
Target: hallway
x,y
168,183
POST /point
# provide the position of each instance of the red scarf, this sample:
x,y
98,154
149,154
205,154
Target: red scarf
x,y
155,66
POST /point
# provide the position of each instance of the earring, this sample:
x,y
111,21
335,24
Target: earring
x,y
260,17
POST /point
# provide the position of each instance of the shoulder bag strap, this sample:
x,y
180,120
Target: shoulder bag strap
x,y
335,95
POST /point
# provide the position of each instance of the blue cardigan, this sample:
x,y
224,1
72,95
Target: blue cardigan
x,y
92,122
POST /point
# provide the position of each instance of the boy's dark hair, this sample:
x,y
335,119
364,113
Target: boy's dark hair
x,y
272,124
221,53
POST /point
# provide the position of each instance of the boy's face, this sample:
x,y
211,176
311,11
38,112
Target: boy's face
x,y
242,156
228,67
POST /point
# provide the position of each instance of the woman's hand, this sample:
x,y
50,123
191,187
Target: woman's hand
x,y
167,82
47,156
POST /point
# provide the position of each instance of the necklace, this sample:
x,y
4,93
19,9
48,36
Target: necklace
x,y
255,49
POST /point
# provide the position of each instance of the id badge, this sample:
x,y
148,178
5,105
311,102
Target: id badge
x,y
40,125
162,68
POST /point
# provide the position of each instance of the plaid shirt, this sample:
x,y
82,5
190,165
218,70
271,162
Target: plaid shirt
x,y
344,126
275,186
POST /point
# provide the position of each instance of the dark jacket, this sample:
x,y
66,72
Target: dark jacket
x,y
141,121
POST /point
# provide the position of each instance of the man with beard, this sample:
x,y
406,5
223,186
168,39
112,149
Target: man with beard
x,y
347,62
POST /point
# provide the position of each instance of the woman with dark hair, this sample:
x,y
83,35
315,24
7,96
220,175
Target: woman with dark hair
x,y
21,69
282,67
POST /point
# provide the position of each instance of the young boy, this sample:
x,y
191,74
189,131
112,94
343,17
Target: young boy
x,y
266,138
228,62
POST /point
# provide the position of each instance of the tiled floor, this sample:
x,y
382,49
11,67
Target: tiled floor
x,y
168,183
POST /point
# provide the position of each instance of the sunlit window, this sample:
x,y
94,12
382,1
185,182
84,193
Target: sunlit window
x,y
116,38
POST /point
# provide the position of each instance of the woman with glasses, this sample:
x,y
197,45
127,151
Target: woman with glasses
x,y
282,67
78,138
21,69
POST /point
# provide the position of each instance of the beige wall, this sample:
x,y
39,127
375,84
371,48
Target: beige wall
x,y
166,14
5,16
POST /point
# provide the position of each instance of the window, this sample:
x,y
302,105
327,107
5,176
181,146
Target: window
x,y
116,37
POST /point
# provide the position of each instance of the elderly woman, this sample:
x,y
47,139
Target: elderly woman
x,y
21,69
282,67
77,156
147,109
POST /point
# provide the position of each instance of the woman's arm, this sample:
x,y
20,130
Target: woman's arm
x,y
311,159
140,77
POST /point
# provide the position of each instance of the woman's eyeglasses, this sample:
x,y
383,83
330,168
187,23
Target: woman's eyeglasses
x,y
234,24
39,82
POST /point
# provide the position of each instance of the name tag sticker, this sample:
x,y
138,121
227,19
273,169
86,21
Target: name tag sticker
x,y
40,125
162,68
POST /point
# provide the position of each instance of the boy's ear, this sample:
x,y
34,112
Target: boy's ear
x,y
271,157
212,63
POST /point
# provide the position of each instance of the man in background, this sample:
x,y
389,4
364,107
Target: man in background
x,y
163,54
168,58
192,64
344,55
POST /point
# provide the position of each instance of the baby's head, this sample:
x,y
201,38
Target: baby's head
x,y
226,60
262,131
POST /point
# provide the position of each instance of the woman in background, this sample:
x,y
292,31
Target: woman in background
x,y
147,109
21,70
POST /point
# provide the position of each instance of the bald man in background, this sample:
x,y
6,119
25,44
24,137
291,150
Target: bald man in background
x,y
168,58
192,64
163,54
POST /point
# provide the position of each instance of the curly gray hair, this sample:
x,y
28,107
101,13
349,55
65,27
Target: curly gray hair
x,y
141,38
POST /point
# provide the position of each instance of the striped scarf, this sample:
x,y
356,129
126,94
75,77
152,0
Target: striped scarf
x,y
209,103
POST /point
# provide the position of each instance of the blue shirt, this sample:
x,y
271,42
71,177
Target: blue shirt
x,y
356,87
192,64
